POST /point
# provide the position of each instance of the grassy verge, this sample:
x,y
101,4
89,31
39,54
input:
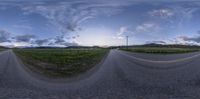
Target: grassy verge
x,y
2,50
161,50
61,62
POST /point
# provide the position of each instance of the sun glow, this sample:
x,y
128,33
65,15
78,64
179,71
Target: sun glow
x,y
95,36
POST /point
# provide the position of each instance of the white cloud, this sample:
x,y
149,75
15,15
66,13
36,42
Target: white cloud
x,y
68,17
120,35
122,30
156,42
163,13
21,44
185,15
185,40
147,27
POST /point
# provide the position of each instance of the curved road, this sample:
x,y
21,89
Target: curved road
x,y
121,75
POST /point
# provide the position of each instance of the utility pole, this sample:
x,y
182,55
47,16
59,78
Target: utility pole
x,y
126,42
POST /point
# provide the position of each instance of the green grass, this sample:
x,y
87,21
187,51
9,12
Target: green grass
x,y
2,50
61,62
161,50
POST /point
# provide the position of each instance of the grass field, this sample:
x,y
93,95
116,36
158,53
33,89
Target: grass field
x,y
2,49
161,50
61,62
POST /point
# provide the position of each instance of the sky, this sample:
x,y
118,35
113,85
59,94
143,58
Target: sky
x,y
65,23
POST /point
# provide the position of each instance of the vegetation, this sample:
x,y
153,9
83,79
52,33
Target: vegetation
x,y
1,49
161,50
61,62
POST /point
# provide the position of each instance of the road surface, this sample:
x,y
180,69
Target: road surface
x,y
121,75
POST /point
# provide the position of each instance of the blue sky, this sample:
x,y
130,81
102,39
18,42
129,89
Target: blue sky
x,y
98,22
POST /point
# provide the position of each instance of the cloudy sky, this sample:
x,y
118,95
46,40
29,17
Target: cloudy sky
x,y
98,22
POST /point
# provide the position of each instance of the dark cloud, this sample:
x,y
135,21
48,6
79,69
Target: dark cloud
x,y
76,36
4,36
41,42
71,26
24,38
59,39
193,39
70,44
